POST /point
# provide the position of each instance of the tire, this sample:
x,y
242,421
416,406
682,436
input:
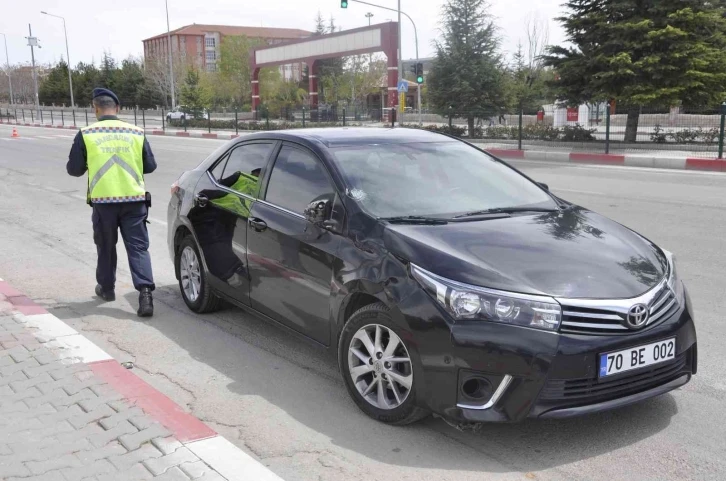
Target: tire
x,y
400,410
205,300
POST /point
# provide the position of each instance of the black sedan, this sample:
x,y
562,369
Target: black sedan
x,y
443,279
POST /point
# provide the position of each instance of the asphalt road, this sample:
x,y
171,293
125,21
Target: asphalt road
x,y
283,400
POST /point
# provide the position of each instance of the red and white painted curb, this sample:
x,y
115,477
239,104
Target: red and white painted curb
x,y
630,160
221,455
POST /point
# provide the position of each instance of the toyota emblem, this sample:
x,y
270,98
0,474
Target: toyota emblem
x,y
637,316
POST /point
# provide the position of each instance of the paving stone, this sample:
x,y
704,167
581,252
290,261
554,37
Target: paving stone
x,y
20,396
68,400
18,386
13,408
142,422
50,476
16,375
111,421
76,447
105,437
137,472
100,412
5,450
144,453
57,463
161,465
56,371
166,445
88,432
90,404
211,476
66,412
195,469
110,450
174,474
15,469
133,441
77,474
56,395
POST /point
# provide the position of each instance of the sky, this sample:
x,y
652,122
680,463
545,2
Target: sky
x,y
118,27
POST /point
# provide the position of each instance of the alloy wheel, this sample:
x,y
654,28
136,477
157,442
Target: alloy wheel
x,y
380,366
191,278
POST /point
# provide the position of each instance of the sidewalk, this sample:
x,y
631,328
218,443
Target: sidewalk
x,y
69,412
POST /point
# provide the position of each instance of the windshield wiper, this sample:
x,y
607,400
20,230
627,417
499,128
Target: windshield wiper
x,y
415,219
505,210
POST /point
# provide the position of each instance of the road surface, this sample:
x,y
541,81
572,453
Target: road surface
x,y
283,401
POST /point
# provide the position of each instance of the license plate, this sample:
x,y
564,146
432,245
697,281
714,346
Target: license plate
x,y
637,357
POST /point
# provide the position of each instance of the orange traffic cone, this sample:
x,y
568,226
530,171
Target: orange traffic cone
x,y
15,133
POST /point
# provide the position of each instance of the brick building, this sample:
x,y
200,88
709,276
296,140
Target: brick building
x,y
201,43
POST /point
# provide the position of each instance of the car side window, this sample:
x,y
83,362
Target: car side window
x,y
218,169
243,167
297,179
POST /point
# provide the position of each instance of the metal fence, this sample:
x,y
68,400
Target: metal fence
x,y
597,128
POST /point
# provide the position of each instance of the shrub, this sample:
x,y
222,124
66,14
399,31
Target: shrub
x,y
498,132
658,136
710,136
685,136
577,133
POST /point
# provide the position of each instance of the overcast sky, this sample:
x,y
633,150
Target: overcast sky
x,y
119,27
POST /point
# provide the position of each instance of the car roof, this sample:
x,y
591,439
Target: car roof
x,y
351,136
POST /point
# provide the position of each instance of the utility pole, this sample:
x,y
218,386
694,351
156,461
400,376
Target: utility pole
x,y
7,60
171,64
68,56
33,42
369,15
400,61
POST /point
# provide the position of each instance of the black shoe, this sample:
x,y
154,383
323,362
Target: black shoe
x,y
108,296
146,303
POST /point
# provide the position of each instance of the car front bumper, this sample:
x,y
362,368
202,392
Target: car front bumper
x,y
529,373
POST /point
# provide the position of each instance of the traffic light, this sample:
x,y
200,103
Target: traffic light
x,y
419,73
343,3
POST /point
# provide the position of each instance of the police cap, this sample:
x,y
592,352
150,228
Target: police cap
x,y
99,92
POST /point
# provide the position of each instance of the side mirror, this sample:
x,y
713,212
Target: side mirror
x,y
544,186
318,211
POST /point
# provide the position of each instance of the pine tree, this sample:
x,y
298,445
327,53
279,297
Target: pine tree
x,y
107,73
468,75
194,96
53,90
657,53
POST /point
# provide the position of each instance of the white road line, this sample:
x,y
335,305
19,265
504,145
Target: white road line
x,y
586,192
45,137
158,221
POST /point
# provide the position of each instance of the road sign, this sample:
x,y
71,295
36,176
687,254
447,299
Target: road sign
x,y
403,86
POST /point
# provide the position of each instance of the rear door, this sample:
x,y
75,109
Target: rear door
x,y
224,199
291,261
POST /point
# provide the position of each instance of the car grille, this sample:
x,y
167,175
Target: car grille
x,y
591,391
589,320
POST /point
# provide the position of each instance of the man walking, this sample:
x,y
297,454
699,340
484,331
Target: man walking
x,y
116,155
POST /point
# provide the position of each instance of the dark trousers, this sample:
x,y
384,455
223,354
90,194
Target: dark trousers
x,y
130,217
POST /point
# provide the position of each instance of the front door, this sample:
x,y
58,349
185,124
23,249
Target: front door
x,y
291,261
227,195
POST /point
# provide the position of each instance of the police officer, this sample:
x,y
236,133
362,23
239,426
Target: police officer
x,y
116,155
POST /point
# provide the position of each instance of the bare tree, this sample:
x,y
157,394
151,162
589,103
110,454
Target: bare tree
x,y
156,70
538,37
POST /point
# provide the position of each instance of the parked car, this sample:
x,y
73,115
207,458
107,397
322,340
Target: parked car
x,y
181,113
442,278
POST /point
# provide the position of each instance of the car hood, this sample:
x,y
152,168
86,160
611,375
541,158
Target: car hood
x,y
575,253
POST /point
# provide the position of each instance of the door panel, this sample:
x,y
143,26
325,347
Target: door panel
x,y
292,261
291,264
221,213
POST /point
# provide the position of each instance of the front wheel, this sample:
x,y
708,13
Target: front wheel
x,y
193,279
377,367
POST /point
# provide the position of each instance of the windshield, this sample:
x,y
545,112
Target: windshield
x,y
433,179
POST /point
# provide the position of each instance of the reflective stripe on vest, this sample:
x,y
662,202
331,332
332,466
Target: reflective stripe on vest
x,y
114,152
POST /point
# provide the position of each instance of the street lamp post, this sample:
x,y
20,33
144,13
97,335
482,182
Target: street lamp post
x,y
369,15
7,60
33,42
171,64
68,56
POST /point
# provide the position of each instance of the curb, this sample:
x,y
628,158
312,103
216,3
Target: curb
x,y
222,456
674,163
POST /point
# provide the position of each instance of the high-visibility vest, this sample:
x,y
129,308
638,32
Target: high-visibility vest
x,y
114,155
246,184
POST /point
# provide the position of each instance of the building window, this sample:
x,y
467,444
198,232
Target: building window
x,y
211,56
211,67
210,42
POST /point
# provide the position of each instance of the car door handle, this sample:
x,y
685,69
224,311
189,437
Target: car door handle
x,y
258,224
201,200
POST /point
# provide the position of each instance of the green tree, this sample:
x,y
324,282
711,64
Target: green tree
x,y
657,53
195,97
468,74
129,80
53,89
107,76
233,83
85,79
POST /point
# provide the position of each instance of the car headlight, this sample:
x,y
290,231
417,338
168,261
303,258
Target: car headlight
x,y
674,283
464,302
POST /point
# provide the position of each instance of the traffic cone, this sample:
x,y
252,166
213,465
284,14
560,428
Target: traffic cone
x,y
15,133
